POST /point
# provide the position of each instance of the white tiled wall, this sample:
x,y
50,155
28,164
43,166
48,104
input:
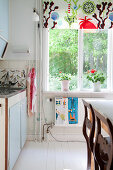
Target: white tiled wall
x,y
16,64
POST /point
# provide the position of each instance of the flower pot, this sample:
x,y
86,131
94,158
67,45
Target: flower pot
x,y
97,86
65,85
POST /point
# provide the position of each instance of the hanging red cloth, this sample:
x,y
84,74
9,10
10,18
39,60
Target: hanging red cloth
x,y
31,87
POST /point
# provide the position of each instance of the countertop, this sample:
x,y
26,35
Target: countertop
x,y
14,92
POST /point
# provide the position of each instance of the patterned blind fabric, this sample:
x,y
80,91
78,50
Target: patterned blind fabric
x,y
78,14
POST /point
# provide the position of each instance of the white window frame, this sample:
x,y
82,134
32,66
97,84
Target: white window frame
x,y
45,54
80,61
110,60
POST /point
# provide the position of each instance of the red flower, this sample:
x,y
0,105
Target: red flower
x,y
60,72
93,71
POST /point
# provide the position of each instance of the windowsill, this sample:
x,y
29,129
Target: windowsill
x,y
88,94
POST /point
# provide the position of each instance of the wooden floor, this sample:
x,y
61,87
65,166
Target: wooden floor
x,y
52,156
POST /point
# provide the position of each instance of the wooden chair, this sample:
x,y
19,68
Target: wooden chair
x,y
103,147
88,131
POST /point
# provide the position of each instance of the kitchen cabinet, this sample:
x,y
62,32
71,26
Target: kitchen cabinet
x,y
2,134
23,118
4,18
14,134
17,131
13,118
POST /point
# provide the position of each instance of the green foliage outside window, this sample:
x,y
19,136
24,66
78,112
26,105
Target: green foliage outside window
x,y
63,56
63,51
95,46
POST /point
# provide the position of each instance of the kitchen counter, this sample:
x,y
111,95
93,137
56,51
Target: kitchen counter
x,y
9,92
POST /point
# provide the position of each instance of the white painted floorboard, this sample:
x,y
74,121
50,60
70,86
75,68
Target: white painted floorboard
x,y
52,156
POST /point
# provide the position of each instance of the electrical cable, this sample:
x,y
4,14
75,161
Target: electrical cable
x,y
65,141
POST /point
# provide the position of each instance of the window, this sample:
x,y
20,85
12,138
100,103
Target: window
x,y
63,56
75,52
95,52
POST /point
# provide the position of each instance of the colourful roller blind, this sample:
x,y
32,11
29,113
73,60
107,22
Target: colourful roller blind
x,y
78,14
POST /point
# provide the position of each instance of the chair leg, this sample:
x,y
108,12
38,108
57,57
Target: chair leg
x,y
96,165
88,159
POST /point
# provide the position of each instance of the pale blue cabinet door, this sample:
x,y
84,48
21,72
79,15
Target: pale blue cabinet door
x,y
4,18
23,121
14,134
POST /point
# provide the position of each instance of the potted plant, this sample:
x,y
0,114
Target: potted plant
x,y
65,79
97,78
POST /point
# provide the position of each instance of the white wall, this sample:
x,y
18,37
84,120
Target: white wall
x,y
21,28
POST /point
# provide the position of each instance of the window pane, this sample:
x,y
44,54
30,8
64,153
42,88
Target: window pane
x,y
95,50
63,57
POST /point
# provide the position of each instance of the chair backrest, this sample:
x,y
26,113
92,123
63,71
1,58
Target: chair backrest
x,y
103,147
89,123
